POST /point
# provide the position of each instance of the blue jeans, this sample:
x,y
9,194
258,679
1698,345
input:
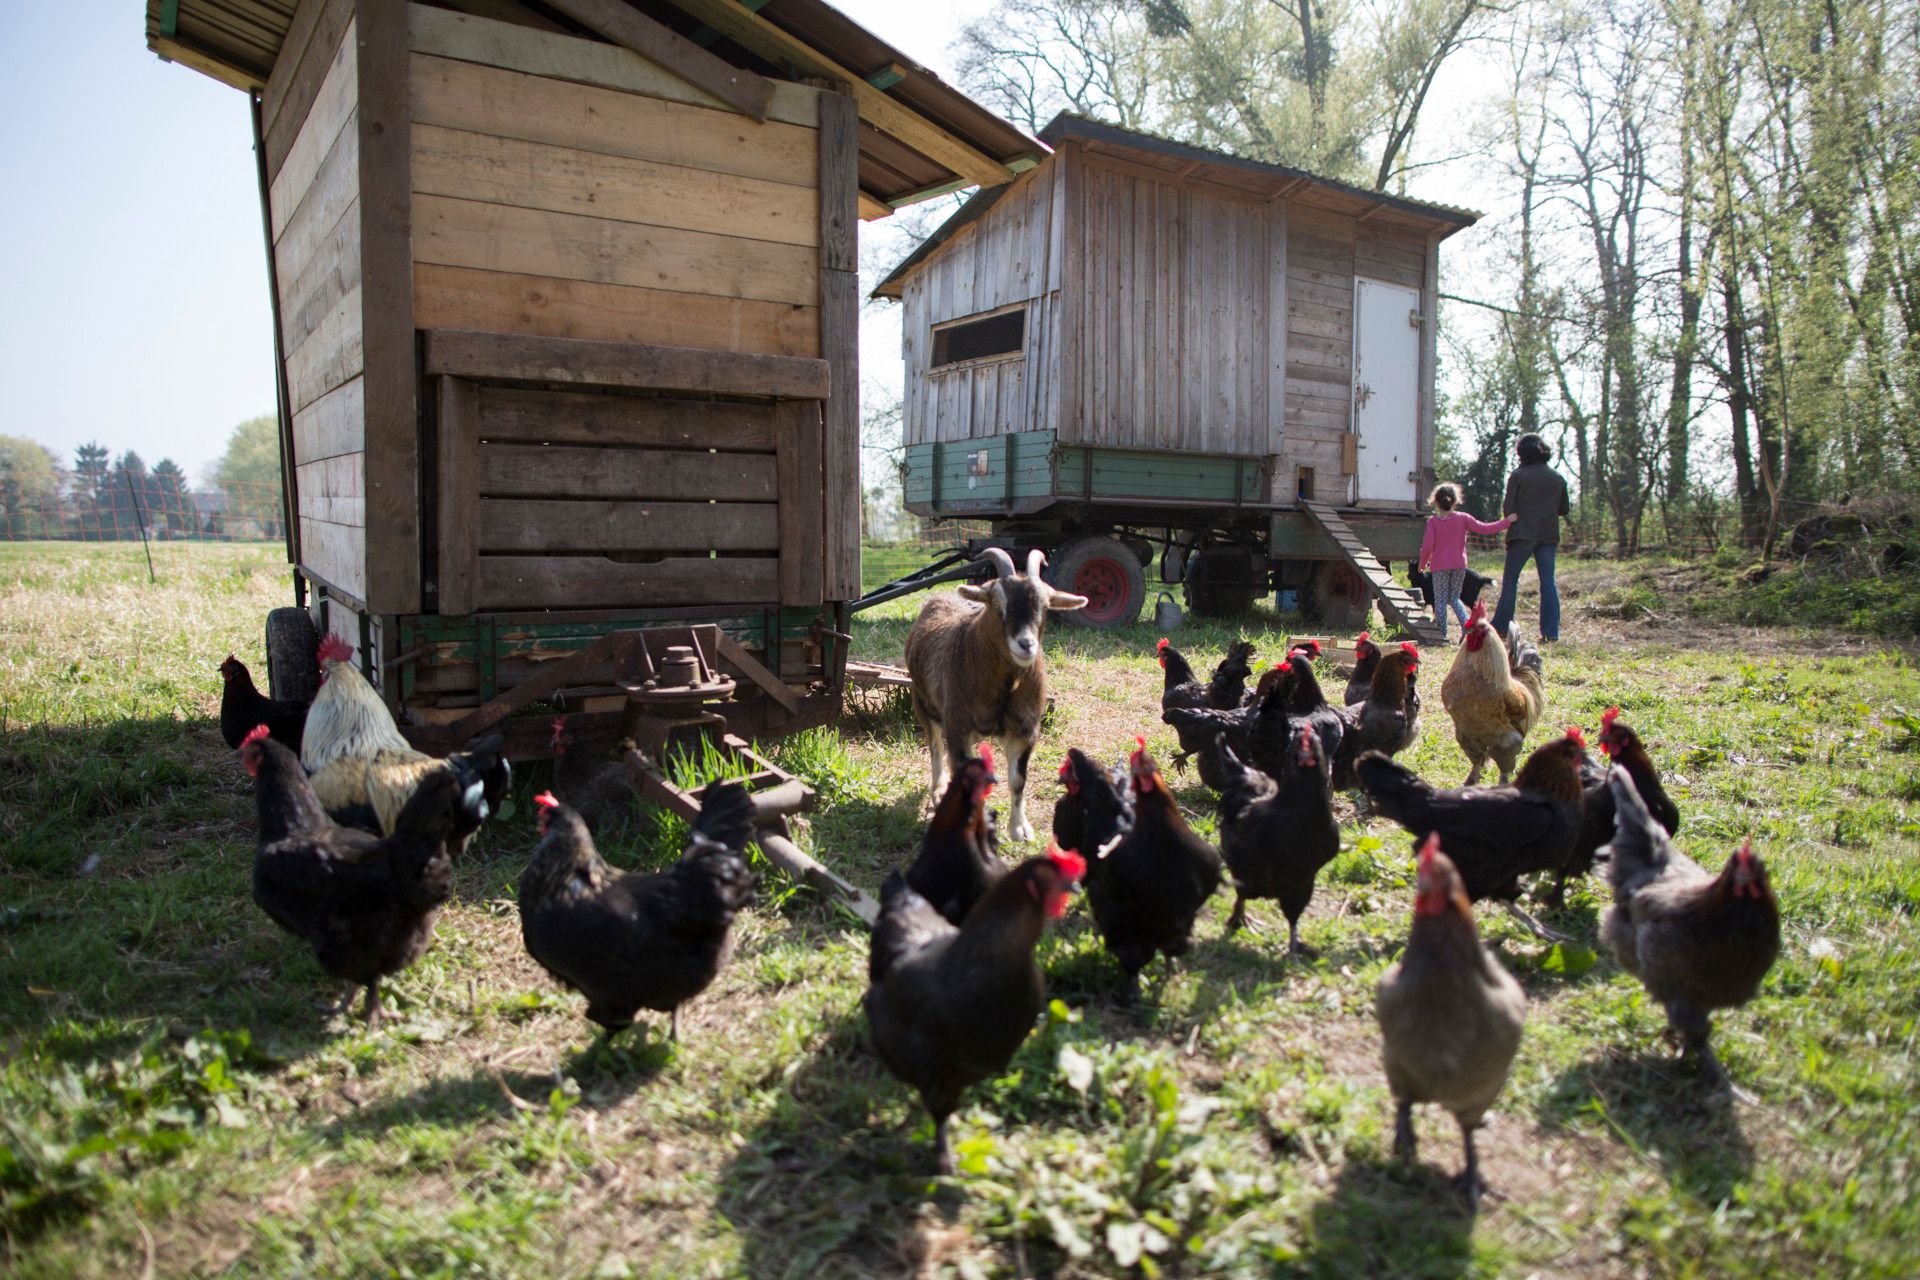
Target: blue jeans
x,y
1542,554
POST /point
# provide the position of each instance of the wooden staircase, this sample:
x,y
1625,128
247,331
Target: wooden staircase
x,y
1397,602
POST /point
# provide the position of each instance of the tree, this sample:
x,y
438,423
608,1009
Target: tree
x,y
29,488
171,498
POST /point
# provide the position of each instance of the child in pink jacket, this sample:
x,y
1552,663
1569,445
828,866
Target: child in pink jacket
x,y
1443,551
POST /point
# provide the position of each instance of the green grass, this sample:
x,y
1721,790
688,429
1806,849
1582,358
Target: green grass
x,y
171,1101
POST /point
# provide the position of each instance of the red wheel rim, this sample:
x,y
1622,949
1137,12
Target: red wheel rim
x,y
1103,582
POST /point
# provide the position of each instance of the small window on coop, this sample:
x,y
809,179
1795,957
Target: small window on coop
x,y
1000,335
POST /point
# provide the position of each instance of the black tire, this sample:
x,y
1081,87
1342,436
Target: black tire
x,y
292,665
1108,573
1221,584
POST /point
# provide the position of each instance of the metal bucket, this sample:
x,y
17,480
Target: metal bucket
x,y
1166,614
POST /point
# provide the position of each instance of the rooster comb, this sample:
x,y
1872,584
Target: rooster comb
x,y
1163,645
1066,768
1607,718
1429,847
1745,851
1577,736
1071,864
333,649
1411,649
986,755
546,801
1140,741
1479,614
254,735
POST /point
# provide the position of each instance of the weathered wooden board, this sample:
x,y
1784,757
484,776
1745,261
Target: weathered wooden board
x,y
321,29
742,90
329,356
584,582
492,237
563,57
458,493
338,553
526,524
538,175
334,489
586,472
392,378
319,133
798,466
332,270
578,417
320,204
332,425
838,237
513,358
461,297
510,104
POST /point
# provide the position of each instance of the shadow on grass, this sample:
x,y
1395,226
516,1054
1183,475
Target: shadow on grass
x,y
833,1172
1661,1108
1392,1220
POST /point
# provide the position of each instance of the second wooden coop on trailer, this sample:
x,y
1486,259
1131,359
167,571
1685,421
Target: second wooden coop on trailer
x,y
566,317
1144,345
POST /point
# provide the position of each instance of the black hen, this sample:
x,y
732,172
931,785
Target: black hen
x,y
1495,835
948,1005
1146,891
958,860
1226,688
598,788
637,940
242,706
1306,701
1097,807
1258,732
1366,656
1276,833
366,904
1623,746
1386,720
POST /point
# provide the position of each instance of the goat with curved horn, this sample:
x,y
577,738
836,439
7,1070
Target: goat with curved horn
x,y
977,671
1002,562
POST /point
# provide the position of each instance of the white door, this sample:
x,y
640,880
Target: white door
x,y
1386,388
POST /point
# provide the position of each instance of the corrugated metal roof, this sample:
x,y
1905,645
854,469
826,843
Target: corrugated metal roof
x,y
1067,127
237,41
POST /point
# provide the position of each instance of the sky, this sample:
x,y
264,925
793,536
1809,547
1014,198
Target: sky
x,y
136,305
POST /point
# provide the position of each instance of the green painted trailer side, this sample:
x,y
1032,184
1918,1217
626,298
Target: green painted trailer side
x,y
1389,535
1026,471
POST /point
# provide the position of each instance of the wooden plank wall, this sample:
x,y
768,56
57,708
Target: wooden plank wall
x,y
566,188
1008,257
571,499
1319,351
1325,251
312,127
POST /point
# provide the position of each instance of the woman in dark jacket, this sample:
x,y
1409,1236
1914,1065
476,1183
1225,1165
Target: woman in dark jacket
x,y
1536,499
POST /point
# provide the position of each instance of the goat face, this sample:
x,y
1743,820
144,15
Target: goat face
x,y
1021,603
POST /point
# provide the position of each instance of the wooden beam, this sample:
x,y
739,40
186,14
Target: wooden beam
x,y
753,669
887,77
840,345
751,31
743,90
390,378
872,210
504,357
207,64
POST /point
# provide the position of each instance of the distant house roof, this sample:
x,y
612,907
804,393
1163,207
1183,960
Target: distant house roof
x,y
1179,161
919,136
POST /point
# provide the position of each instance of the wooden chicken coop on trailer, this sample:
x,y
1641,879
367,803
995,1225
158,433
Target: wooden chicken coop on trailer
x,y
1142,345
565,303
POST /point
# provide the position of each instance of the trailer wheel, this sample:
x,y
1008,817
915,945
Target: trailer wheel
x,y
1107,572
1338,596
292,645
1223,581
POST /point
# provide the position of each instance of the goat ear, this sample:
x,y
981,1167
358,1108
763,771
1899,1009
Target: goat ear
x,y
1064,600
974,592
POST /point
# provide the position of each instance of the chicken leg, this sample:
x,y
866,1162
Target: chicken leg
x,y
1469,1180
1238,920
1533,926
1405,1145
673,1024
372,1011
943,1154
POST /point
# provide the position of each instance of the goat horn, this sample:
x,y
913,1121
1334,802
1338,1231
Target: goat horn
x,y
1002,562
1035,559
